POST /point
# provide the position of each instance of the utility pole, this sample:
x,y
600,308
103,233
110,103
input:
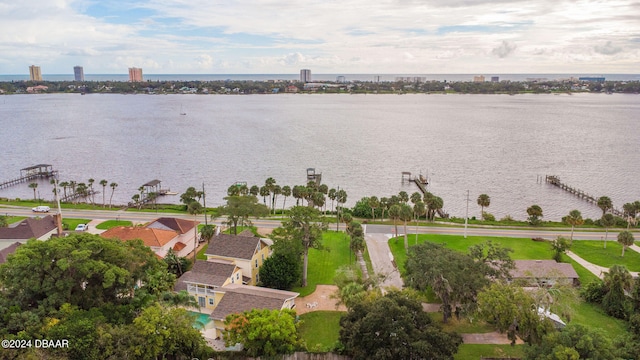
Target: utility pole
x,y
59,214
466,216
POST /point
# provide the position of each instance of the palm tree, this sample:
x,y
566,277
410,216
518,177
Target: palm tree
x,y
406,214
358,245
574,219
297,193
277,190
630,210
72,185
394,214
270,184
374,203
341,198
384,205
264,192
194,208
605,204
535,213
90,182
617,280
403,197
286,192
34,186
81,190
484,201
415,197
113,186
104,183
608,220
64,185
332,195
418,210
625,238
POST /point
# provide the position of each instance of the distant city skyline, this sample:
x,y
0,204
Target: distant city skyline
x,y
353,36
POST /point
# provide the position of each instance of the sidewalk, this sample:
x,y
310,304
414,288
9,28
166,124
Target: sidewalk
x,y
597,270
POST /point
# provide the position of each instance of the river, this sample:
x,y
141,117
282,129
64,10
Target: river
x,y
494,144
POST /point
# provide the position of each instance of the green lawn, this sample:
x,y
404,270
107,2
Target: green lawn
x,y
324,263
70,224
474,351
15,219
106,225
594,252
522,248
320,329
592,316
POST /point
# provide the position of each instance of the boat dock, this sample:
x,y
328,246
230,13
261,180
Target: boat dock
x,y
419,180
31,173
555,181
313,176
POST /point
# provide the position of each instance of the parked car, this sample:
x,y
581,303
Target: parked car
x,y
82,227
41,208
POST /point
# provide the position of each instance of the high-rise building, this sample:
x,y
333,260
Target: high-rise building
x,y
341,79
479,78
34,73
78,73
135,74
495,79
305,75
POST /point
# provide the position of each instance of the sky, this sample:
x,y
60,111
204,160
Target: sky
x,y
326,36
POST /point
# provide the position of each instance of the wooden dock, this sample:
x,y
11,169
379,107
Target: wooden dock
x,y
555,181
420,181
40,171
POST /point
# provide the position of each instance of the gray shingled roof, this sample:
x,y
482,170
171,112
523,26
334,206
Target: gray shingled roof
x,y
181,226
542,269
240,247
8,250
29,228
240,298
206,273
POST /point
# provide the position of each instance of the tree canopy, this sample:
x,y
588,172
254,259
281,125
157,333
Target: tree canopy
x,y
238,209
394,327
263,332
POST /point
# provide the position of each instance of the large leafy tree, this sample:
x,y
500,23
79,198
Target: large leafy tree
x,y
394,327
495,256
358,245
573,342
456,278
238,209
304,226
511,309
81,269
281,271
484,201
263,332
625,238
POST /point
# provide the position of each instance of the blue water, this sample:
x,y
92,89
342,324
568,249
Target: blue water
x,y
315,77
201,320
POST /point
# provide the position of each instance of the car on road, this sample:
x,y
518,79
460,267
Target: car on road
x,y
41,208
82,227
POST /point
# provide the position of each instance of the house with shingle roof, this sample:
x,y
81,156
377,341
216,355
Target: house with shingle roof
x,y
205,279
160,235
30,228
543,272
239,298
246,252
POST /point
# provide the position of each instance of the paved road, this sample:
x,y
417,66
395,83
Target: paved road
x,y
371,228
381,260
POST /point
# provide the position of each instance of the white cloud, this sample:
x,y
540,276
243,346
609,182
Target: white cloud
x,y
353,36
505,49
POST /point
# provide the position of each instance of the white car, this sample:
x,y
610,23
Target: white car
x,y
41,208
82,227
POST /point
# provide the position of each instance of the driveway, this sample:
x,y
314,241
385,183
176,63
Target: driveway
x,y
381,259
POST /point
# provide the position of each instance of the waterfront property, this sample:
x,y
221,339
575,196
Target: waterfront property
x,y
246,252
205,279
160,235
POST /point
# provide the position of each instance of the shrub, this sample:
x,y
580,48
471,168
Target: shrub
x,y
594,291
488,217
507,218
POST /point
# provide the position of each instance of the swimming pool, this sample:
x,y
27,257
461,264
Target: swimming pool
x,y
201,320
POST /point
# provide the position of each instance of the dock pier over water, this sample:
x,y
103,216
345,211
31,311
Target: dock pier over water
x,y
31,173
555,181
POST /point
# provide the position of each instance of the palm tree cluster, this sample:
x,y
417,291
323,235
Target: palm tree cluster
x,y
75,191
